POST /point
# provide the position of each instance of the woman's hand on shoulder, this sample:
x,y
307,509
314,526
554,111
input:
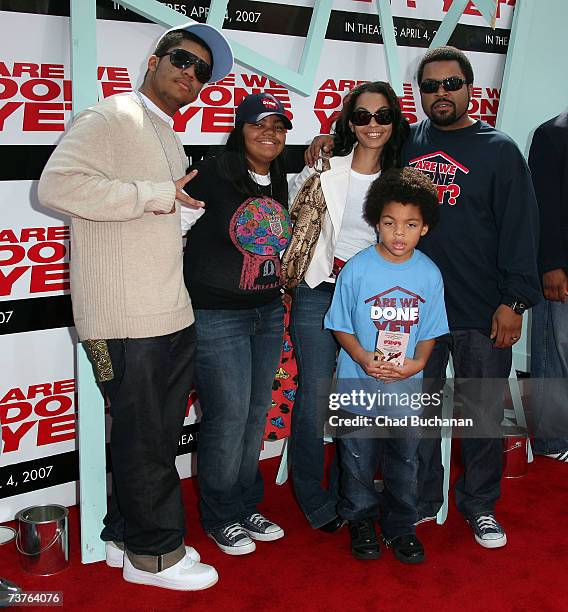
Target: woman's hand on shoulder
x,y
313,152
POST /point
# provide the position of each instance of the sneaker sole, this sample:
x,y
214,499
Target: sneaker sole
x,y
265,537
163,584
235,550
491,543
410,560
365,556
426,519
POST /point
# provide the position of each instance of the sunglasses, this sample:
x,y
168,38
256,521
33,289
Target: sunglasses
x,y
430,86
180,58
384,116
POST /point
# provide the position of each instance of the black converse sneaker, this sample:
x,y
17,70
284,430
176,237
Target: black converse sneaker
x,y
487,531
233,540
260,528
563,456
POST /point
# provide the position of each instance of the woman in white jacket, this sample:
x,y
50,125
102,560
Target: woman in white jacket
x,y
369,135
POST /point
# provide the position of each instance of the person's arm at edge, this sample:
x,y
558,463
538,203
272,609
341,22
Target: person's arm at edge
x,y
545,163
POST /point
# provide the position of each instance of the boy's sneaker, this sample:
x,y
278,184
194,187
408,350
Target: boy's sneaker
x,y
233,539
185,575
115,554
260,528
487,531
364,541
407,548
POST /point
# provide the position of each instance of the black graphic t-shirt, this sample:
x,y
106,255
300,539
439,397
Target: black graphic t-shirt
x,y
486,242
232,257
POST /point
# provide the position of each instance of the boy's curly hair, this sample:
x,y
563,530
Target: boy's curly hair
x,y
404,185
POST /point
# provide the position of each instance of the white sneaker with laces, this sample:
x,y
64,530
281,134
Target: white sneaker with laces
x,y
185,575
260,528
115,555
487,531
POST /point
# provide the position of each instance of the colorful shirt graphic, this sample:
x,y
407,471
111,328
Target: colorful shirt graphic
x,y
260,229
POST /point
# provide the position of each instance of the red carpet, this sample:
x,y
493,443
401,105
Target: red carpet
x,y
310,570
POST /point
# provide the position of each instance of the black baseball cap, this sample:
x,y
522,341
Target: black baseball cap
x,y
255,107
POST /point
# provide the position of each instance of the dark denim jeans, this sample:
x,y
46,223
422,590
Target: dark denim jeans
x,y
316,354
479,486
238,352
148,399
397,504
549,359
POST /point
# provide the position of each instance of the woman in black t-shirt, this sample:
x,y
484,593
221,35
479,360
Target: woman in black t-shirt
x,y
232,272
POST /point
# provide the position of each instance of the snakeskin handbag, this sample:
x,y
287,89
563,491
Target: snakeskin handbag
x,y
306,213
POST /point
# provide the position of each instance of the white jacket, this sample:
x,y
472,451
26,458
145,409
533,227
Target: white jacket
x,y
335,185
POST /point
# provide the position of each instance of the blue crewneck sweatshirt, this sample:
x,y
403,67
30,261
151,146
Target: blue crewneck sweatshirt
x,y
487,239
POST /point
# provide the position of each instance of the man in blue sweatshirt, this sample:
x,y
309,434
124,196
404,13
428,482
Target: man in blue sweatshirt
x,y
486,248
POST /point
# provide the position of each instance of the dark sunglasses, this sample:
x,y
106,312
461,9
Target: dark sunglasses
x,y
430,86
180,58
384,116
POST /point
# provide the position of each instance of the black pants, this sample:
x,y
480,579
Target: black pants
x,y
479,486
148,399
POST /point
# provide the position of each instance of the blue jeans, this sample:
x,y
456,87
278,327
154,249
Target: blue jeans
x,y
549,359
237,355
397,504
479,486
316,354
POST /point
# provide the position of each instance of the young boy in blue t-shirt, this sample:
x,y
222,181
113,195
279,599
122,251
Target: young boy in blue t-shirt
x,y
393,287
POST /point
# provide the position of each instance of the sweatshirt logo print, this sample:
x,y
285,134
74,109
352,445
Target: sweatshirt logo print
x,y
442,169
396,313
260,229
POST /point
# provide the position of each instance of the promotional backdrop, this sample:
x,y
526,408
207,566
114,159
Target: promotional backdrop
x,y
37,378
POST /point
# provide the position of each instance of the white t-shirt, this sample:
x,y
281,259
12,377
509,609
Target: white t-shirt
x,y
355,234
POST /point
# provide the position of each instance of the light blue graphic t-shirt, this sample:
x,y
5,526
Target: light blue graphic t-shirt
x,y
374,294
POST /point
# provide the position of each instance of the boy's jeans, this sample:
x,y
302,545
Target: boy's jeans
x,y
396,505
549,359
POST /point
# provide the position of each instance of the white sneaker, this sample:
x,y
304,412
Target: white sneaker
x,y
115,556
185,575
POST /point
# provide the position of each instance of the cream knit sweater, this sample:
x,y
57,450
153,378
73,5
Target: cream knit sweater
x,y
109,173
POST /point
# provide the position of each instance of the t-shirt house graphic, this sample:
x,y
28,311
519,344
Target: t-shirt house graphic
x,y
442,169
395,313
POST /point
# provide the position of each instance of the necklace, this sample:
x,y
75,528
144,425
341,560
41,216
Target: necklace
x,y
256,178
157,132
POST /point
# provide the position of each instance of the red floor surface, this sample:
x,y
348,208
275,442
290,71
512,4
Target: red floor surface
x,y
309,570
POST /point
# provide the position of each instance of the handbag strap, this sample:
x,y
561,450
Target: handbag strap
x,y
325,163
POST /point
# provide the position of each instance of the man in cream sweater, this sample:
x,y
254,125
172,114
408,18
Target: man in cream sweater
x,y
119,172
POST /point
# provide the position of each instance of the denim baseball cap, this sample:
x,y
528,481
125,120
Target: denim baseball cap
x,y
221,52
255,107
